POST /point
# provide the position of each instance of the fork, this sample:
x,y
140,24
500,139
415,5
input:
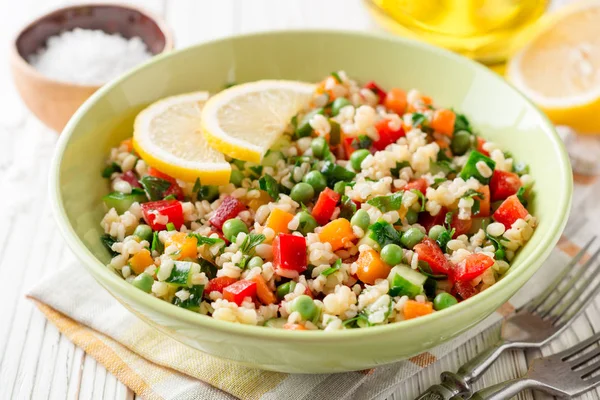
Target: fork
x,y
565,374
533,325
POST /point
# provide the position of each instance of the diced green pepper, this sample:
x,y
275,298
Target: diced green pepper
x,y
304,129
121,202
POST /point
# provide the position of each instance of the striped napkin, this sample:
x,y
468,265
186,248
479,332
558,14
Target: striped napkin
x,y
157,367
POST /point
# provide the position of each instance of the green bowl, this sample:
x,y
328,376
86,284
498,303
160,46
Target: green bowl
x,y
498,111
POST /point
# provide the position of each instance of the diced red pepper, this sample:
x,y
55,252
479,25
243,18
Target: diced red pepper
x,y
289,252
325,206
348,148
429,251
504,184
174,190
480,143
464,290
170,208
372,86
387,136
219,283
130,178
461,226
484,202
238,291
419,184
510,211
229,208
428,221
471,267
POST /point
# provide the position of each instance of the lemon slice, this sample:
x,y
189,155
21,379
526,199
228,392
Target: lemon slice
x,y
167,136
560,68
244,120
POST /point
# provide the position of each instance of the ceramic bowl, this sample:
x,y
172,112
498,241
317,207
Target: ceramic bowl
x,y
498,111
52,101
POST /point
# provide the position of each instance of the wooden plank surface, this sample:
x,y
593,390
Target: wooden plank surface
x,y
36,361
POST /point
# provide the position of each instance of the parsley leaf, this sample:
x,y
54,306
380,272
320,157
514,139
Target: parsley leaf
x,y
209,269
157,245
421,197
462,123
335,173
335,267
360,321
399,165
155,187
437,182
111,169
108,241
387,203
384,233
521,196
269,185
248,245
336,76
418,119
426,270
200,240
347,208
443,166
197,186
446,235
476,196
256,171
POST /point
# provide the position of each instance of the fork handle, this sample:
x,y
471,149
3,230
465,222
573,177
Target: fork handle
x,y
504,390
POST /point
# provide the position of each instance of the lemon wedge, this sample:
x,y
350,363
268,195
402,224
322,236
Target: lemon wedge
x,y
560,67
244,120
167,136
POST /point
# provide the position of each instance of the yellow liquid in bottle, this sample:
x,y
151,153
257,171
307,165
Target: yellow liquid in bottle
x,y
481,29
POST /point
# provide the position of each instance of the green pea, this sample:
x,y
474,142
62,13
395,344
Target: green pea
x,y
357,158
318,146
306,223
340,187
461,142
435,231
144,232
285,288
302,192
144,282
361,219
232,227
412,216
316,180
444,300
254,262
236,177
392,254
338,104
209,193
412,237
305,306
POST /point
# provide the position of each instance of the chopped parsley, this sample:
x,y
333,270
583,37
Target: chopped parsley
x,y
155,187
335,267
384,233
521,196
269,185
462,123
200,240
335,173
248,247
111,169
418,119
347,208
336,76
399,166
108,241
421,197
387,203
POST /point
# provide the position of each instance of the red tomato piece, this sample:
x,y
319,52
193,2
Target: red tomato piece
x,y
464,290
427,220
219,283
461,226
170,208
325,206
229,208
429,251
484,202
238,291
419,184
130,178
387,136
504,184
373,87
480,143
289,252
174,190
471,267
510,211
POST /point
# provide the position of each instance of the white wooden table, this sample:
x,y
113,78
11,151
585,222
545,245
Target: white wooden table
x,y
36,361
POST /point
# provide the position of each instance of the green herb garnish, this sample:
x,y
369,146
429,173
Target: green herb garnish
x,y
155,187
111,169
335,267
269,185
387,203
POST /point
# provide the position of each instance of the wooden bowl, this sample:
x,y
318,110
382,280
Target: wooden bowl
x,y
52,101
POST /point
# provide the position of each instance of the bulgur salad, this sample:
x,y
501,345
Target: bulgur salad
x,y
372,207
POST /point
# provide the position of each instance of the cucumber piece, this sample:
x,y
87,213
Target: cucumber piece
x,y
181,274
193,302
404,281
304,129
270,159
276,323
121,201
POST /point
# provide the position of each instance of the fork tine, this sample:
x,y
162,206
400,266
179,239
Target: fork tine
x,y
590,369
542,297
590,355
573,300
560,295
579,347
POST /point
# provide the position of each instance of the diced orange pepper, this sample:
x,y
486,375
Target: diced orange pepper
x,y
443,121
396,101
484,202
262,199
294,327
140,261
337,233
414,309
187,245
264,294
278,221
371,267
128,143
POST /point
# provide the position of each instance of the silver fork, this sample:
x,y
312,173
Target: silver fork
x,y
565,374
532,326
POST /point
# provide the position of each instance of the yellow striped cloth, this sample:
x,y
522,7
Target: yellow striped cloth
x,y
157,367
